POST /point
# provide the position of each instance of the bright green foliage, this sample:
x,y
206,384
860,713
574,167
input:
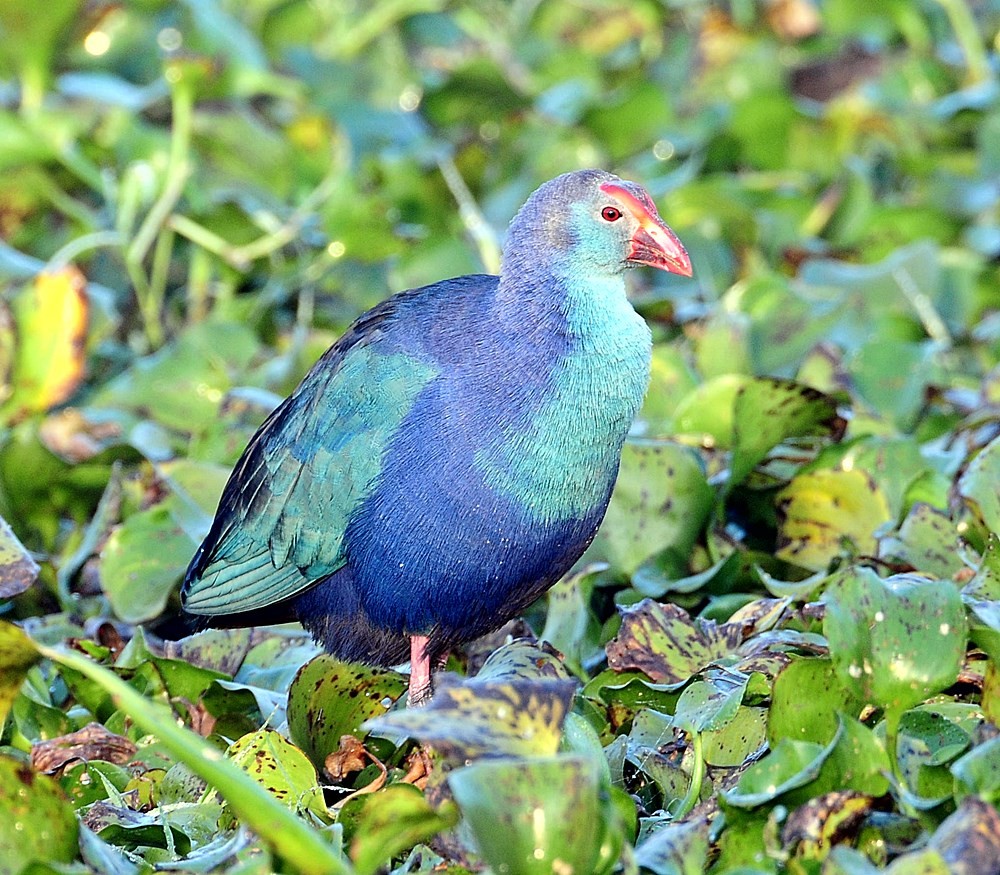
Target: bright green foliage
x,y
783,655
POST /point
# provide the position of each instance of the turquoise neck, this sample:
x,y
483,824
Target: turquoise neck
x,y
563,462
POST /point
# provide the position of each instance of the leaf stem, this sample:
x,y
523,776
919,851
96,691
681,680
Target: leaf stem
x,y
697,777
967,35
472,217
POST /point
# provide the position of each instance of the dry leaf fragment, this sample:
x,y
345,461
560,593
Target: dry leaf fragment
x,y
93,742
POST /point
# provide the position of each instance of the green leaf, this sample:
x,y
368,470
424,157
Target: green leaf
x,y
38,823
978,772
187,378
711,704
17,655
257,808
977,486
329,698
927,540
142,562
661,499
789,765
281,768
894,642
892,376
675,849
547,811
806,700
392,821
769,411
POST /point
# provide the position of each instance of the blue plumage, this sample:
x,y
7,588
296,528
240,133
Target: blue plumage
x,y
452,455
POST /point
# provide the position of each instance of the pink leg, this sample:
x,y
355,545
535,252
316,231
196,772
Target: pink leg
x,y
420,672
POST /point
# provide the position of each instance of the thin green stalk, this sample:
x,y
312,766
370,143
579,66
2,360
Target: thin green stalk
x,y
72,250
153,226
967,34
199,276
697,777
472,217
33,79
241,256
302,846
159,273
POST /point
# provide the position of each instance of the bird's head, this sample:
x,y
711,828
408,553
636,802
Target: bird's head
x,y
594,220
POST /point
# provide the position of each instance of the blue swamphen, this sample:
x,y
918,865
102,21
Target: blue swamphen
x,y
452,455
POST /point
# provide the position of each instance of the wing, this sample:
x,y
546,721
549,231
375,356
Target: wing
x,y
282,517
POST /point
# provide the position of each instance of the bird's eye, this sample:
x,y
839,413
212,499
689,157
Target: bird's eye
x,y
610,214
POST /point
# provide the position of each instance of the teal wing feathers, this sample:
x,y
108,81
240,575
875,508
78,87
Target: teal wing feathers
x,y
283,514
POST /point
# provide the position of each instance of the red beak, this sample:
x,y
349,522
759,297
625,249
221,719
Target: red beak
x,y
653,243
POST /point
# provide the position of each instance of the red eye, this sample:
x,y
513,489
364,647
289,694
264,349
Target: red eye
x,y
610,214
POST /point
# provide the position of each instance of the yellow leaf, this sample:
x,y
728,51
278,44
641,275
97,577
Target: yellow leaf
x,y
827,513
50,318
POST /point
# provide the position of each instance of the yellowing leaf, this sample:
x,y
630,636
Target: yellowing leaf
x,y
829,512
50,318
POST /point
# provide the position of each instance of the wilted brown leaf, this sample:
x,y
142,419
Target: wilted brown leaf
x,y
93,742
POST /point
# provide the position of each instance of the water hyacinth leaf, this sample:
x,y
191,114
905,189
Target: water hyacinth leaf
x,y
522,659
302,846
393,820
859,762
666,643
812,830
570,626
188,377
120,825
141,563
722,345
789,765
50,318
894,642
769,411
38,823
330,698
927,539
671,377
18,570
738,740
675,849
529,816
926,742
978,772
899,467
710,704
824,513
968,840
652,580
103,857
982,596
806,700
17,655
892,375
469,719
661,499
221,650
705,415
977,486
281,768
